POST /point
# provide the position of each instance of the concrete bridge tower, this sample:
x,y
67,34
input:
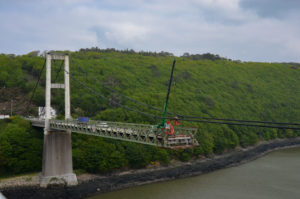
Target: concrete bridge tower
x,y
57,151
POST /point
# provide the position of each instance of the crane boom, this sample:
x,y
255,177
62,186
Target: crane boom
x,y
163,122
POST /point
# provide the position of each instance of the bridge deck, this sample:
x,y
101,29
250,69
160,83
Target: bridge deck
x,y
140,133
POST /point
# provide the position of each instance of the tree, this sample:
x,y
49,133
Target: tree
x,y
20,148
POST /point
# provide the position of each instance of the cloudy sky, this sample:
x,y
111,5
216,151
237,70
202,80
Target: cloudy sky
x,y
248,30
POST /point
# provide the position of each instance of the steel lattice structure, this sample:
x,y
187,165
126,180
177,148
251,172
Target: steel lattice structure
x,y
139,133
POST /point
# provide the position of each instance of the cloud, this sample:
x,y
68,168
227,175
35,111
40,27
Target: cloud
x,y
230,28
271,8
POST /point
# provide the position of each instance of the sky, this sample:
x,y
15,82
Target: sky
x,y
247,30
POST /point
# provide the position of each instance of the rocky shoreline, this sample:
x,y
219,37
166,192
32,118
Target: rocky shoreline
x,y
98,184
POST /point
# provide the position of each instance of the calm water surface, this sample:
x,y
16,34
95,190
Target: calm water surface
x,y
274,176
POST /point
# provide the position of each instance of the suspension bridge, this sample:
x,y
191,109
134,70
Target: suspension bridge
x,y
57,149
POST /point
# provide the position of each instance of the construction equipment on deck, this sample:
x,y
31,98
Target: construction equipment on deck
x,y
170,133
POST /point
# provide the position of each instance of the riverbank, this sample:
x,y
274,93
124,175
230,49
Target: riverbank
x,y
92,184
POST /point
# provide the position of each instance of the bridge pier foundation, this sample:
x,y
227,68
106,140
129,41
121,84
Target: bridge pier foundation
x,y
57,159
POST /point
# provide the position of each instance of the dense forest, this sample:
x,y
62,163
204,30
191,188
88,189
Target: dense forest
x,y
204,85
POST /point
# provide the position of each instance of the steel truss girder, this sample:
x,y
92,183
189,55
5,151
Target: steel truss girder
x,y
139,133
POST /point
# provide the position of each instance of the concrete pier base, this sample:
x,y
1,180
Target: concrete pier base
x,y
57,159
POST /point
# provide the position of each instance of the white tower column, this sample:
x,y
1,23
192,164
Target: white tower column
x,y
67,89
48,94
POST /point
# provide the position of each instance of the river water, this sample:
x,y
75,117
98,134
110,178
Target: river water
x,y
274,176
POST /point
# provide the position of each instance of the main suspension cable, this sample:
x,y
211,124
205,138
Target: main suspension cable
x,y
235,120
251,123
239,124
114,102
125,96
34,89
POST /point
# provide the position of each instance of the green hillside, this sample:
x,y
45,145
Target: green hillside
x,y
205,85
